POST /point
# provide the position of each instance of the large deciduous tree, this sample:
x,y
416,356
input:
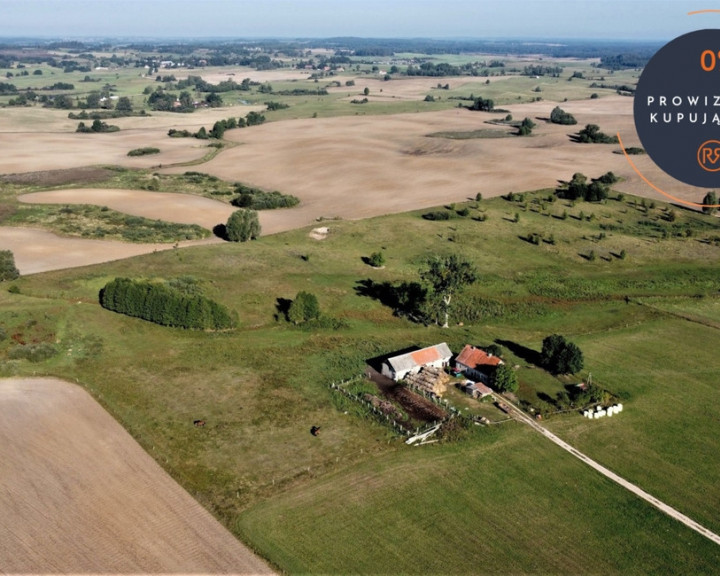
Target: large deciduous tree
x,y
242,225
505,379
447,276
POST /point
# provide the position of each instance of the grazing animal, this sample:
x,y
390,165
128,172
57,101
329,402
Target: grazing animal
x,y
199,423
315,430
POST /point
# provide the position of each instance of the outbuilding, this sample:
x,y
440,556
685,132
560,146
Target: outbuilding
x,y
397,367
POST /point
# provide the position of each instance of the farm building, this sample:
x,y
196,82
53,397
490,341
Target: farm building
x,y
397,367
476,389
476,364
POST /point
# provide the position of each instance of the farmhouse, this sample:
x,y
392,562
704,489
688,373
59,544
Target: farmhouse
x,y
397,367
476,364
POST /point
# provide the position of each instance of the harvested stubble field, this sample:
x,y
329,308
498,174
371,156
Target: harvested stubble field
x,y
80,495
351,167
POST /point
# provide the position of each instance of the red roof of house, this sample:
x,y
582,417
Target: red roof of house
x,y
426,356
476,358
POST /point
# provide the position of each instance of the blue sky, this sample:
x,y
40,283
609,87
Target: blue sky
x,y
611,19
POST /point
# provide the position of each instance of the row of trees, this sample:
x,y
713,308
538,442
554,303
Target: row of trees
x,y
184,102
164,305
218,130
258,199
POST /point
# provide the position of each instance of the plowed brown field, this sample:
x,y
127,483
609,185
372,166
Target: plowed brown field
x,y
79,495
347,167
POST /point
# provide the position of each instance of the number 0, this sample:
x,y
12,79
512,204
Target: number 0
x,y
703,60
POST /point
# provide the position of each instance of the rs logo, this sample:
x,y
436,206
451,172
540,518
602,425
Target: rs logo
x,y
708,155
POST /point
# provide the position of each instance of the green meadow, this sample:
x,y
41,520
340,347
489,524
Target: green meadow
x,y
356,499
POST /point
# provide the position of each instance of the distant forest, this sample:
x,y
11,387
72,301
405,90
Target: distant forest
x,y
615,54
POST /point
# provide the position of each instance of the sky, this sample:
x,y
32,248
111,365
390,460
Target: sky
x,y
571,19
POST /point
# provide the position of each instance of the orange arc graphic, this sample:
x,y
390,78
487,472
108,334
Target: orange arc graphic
x,y
710,10
673,198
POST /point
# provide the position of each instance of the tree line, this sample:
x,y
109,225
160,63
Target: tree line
x,y
163,305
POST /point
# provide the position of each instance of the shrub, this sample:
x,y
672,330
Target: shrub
x,y
143,151
376,259
305,307
173,133
32,352
437,215
271,106
8,271
559,116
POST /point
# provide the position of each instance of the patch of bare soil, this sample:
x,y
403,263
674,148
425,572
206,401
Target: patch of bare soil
x,y
416,406
81,175
362,166
80,496
38,250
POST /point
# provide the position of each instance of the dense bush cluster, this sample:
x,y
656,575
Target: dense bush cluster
x,y
8,271
437,215
143,151
257,199
579,188
591,135
163,305
559,116
97,126
482,105
32,352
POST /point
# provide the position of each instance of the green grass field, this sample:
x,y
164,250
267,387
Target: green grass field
x,y
355,499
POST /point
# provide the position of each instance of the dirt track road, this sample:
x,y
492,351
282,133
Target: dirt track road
x,y
669,510
79,496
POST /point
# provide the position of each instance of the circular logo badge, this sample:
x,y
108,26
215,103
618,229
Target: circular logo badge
x,y
677,108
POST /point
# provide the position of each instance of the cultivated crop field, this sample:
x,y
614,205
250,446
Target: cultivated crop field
x,y
632,280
